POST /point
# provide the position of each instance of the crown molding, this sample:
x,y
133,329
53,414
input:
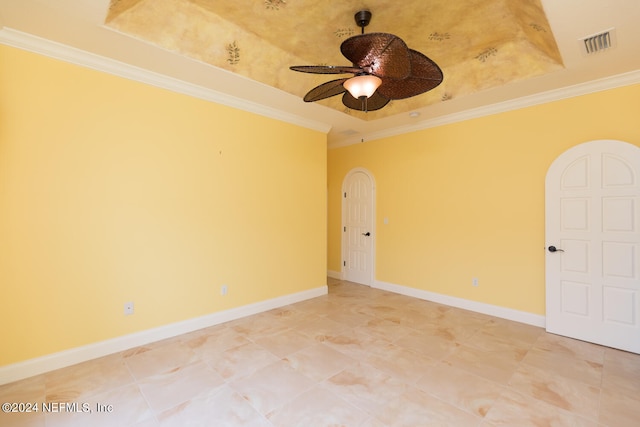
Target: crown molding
x,y
29,42
607,83
52,49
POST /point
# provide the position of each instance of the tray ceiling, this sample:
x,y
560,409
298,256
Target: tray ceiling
x,y
478,44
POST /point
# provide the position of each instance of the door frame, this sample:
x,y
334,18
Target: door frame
x,y
343,239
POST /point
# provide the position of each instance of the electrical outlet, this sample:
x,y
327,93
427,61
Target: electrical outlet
x,y
474,282
128,308
223,290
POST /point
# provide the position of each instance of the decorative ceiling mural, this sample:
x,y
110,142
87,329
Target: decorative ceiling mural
x,y
478,44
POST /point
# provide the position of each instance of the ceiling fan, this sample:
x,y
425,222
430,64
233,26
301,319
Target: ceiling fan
x,y
384,67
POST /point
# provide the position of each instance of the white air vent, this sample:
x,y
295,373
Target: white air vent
x,y
599,42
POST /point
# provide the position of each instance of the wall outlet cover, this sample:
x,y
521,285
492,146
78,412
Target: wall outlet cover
x,y
128,308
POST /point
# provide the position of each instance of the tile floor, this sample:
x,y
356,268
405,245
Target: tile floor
x,y
355,357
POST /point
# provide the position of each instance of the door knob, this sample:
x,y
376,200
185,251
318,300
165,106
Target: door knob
x,y
366,234
554,249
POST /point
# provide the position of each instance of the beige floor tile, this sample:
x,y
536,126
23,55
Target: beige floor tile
x,y
158,360
213,341
348,316
241,361
558,363
469,319
318,306
448,330
30,392
22,419
489,365
259,325
621,371
417,408
318,362
569,347
515,409
372,422
86,379
383,310
570,395
151,422
357,345
365,387
272,386
171,341
461,389
620,357
286,342
384,329
619,408
419,318
318,407
357,357
320,327
122,406
501,346
420,311
166,390
401,363
434,346
290,314
513,331
221,407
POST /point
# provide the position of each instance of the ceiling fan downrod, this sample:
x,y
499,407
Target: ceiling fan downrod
x,y
363,17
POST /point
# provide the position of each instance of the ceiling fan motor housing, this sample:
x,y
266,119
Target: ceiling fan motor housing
x,y
363,18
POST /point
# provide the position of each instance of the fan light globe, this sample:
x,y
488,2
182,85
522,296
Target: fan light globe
x,y
364,85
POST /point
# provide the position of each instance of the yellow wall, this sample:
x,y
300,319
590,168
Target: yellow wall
x,y
115,191
467,200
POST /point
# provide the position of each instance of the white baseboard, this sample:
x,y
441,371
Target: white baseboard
x,y
479,307
334,274
40,365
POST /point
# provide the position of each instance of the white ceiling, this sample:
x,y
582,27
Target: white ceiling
x,y
79,25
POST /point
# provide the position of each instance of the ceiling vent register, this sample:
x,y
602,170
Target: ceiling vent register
x,y
599,42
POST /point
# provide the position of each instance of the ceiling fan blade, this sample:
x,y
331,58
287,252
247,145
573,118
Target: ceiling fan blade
x,y
425,75
375,102
326,69
325,90
381,54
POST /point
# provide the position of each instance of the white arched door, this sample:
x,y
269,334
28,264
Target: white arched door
x,y
358,222
592,219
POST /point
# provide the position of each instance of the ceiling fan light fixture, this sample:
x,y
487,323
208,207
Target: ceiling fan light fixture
x,y
363,85
384,69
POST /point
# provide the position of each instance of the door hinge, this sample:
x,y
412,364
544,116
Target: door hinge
x,y
344,263
344,229
345,195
